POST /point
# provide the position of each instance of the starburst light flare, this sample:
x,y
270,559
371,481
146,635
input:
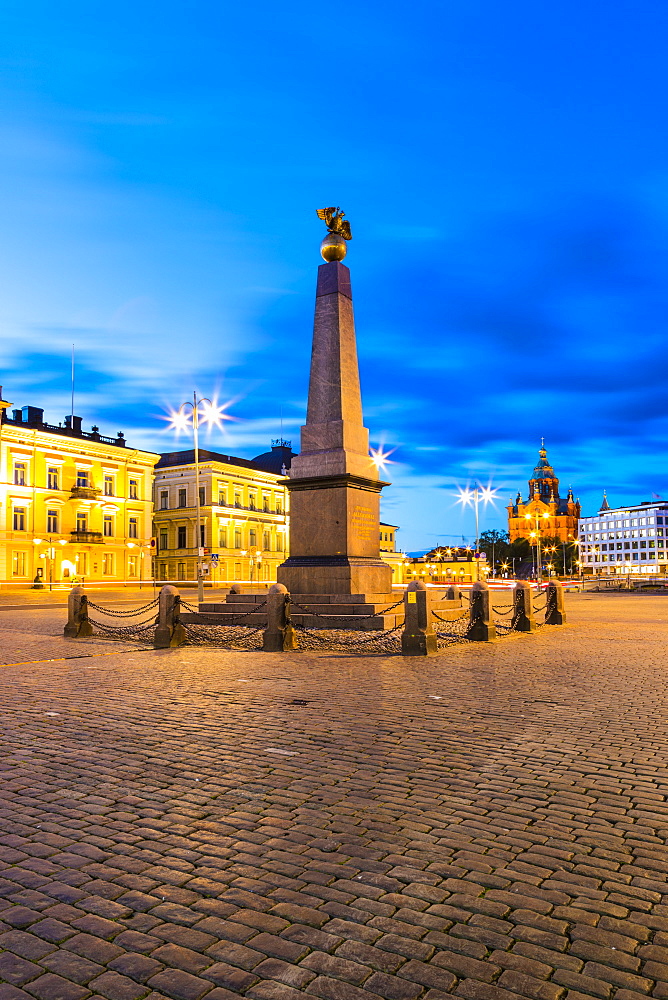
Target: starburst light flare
x,y
380,458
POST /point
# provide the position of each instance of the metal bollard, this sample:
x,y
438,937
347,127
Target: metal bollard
x,y
418,637
554,608
77,614
480,628
523,619
170,631
279,635
453,593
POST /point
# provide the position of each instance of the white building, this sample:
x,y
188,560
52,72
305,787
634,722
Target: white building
x,y
630,539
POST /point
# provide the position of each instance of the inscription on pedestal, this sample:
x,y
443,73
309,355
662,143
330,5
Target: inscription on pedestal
x,y
363,521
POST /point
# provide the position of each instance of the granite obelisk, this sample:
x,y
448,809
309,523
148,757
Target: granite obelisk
x,y
334,485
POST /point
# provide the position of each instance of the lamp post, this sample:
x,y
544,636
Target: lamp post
x,y
189,414
473,497
536,534
255,560
50,553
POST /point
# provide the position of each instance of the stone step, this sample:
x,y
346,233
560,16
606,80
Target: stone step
x,y
351,623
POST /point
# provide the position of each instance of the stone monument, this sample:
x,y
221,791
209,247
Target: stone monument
x,y
334,485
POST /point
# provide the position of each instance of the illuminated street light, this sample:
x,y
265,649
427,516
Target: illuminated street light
x,y
536,534
189,415
473,497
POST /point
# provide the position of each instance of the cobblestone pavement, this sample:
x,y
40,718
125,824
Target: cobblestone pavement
x,y
486,824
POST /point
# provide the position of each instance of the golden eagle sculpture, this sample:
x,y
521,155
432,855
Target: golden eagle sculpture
x,y
333,219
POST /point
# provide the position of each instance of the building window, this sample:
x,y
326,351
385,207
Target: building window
x,y
82,477
108,526
82,522
265,504
181,541
19,564
222,538
164,500
181,570
82,563
221,500
202,496
251,503
108,486
52,478
162,571
252,537
132,565
163,541
237,500
279,507
19,519
19,473
132,528
237,571
183,500
202,535
52,521
108,564
266,541
279,543
237,540
133,491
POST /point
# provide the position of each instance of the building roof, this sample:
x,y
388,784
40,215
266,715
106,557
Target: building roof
x,y
171,458
279,458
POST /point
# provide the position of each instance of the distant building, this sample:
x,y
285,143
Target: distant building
x,y
632,539
445,565
388,551
544,510
75,505
243,515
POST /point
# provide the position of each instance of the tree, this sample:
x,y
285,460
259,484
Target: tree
x,y
496,547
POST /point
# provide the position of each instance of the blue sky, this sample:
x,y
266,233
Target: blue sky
x,y
505,170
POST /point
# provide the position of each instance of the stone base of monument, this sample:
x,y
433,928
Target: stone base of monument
x,y
351,612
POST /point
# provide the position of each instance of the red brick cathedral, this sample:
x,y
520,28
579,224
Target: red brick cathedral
x,y
547,512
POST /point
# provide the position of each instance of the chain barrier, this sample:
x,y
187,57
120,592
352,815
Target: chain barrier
x,y
137,632
239,637
229,621
449,621
374,614
341,640
124,614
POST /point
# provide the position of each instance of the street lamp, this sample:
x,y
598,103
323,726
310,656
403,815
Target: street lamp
x,y
255,560
50,553
189,415
536,534
473,497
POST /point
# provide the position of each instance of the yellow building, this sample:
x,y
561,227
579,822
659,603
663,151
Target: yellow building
x,y
243,515
446,566
388,551
76,505
544,513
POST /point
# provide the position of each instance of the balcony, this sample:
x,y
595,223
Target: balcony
x,y
84,493
87,537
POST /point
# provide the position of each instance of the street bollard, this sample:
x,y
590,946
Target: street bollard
x,y
554,607
480,628
170,631
236,589
453,593
418,637
279,635
77,614
523,619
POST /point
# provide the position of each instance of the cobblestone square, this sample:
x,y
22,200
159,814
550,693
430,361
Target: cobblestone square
x,y
487,823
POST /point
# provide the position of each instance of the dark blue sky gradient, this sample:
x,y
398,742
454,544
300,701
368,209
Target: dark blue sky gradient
x,y
505,169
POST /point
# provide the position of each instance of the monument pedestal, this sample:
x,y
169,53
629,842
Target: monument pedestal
x,y
334,540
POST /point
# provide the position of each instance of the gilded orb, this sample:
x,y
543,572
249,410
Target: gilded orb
x,y
333,247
